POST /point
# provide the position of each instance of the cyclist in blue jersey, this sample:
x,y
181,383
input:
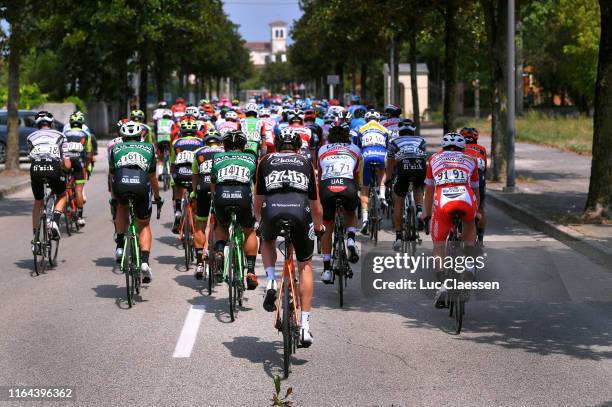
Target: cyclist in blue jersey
x,y
372,139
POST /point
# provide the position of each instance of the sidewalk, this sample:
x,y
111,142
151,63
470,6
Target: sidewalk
x,y
12,184
552,191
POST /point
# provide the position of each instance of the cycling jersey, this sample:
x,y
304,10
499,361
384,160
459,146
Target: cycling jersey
x,y
453,174
77,147
233,167
46,154
286,172
479,153
391,123
178,110
46,144
147,137
372,138
226,126
339,160
158,114
308,141
255,131
202,166
409,152
181,157
164,130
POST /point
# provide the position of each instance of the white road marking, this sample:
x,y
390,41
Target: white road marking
x,y
189,333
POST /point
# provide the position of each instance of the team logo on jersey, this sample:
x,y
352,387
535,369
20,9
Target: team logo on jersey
x,y
286,160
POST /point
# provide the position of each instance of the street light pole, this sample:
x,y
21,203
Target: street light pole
x,y
511,104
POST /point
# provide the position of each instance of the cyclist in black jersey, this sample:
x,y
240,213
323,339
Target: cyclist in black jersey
x,y
286,189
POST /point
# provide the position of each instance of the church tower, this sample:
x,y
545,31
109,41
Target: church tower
x,y
278,36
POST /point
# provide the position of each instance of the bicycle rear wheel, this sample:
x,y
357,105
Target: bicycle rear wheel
x,y
53,251
127,270
231,275
67,219
457,307
340,268
39,250
187,241
286,328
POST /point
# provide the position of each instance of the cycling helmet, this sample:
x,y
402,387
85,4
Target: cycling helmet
x,y
453,140
470,135
344,115
188,127
231,115
137,115
131,130
289,137
250,108
192,111
339,133
180,100
77,118
43,117
162,104
167,114
310,115
234,140
359,113
204,102
406,128
212,137
264,112
294,116
372,115
393,110
329,117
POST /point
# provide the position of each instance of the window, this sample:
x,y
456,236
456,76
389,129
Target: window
x,y
3,120
281,32
28,121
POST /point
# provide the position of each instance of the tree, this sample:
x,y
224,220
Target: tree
x,y
600,186
451,44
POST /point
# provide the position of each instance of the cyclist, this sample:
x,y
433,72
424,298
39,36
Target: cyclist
x,y
79,149
202,165
204,122
406,157
392,121
159,112
451,186
296,124
46,154
269,123
254,129
479,152
229,123
372,139
178,108
339,163
132,167
181,163
192,111
163,132
310,117
287,189
232,176
138,116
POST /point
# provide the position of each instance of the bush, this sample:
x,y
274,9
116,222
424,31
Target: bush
x,y
29,96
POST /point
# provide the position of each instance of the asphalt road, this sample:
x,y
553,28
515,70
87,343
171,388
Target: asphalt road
x,y
544,338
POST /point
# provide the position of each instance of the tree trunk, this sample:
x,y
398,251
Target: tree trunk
x,y
143,88
413,82
363,80
451,35
181,83
12,147
125,90
159,78
600,186
218,87
496,22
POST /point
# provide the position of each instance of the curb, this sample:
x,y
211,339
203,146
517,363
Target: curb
x,y
593,250
4,192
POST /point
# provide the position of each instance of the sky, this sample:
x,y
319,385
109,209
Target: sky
x,y
253,16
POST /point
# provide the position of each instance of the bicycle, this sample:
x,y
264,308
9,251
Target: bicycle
x,y
45,251
389,198
165,175
410,234
340,264
374,205
187,229
233,264
287,302
211,265
70,210
456,298
130,259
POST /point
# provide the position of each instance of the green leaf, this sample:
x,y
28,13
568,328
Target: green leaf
x,y
277,384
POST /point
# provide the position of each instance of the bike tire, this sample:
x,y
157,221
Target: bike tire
x,y
231,280
53,252
459,308
208,271
67,220
186,243
341,267
127,270
286,328
39,259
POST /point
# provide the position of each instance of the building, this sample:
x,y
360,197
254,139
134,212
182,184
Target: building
x,y
404,97
262,52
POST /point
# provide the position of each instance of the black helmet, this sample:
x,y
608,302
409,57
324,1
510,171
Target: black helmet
x,y
406,128
393,110
339,133
234,140
212,136
289,137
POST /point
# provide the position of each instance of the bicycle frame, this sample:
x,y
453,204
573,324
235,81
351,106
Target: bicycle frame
x,y
288,275
236,236
187,214
133,231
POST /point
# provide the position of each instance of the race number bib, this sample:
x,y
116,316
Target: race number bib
x,y
454,176
132,159
45,150
74,147
372,139
205,167
254,135
184,157
234,172
336,170
287,178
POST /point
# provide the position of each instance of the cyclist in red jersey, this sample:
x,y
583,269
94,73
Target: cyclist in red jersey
x,y
451,187
479,153
178,108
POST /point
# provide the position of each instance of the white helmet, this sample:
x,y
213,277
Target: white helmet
x,y
130,130
250,107
231,115
264,112
372,115
167,113
191,111
453,139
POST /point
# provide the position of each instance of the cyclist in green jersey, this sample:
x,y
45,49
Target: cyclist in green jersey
x,y
232,177
132,167
163,130
255,131
138,116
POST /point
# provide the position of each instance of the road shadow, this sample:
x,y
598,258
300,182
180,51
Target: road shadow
x,y
177,261
15,207
267,354
118,293
169,240
108,262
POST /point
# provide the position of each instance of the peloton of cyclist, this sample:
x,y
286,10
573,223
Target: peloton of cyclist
x,y
132,168
339,163
286,189
451,186
406,159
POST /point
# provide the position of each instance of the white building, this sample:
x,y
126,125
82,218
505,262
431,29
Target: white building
x,y
262,52
404,97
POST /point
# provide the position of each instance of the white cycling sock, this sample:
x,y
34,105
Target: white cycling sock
x,y
305,320
382,191
326,257
270,273
351,229
364,215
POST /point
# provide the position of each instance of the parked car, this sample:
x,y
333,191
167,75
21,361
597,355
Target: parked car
x,y
26,127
